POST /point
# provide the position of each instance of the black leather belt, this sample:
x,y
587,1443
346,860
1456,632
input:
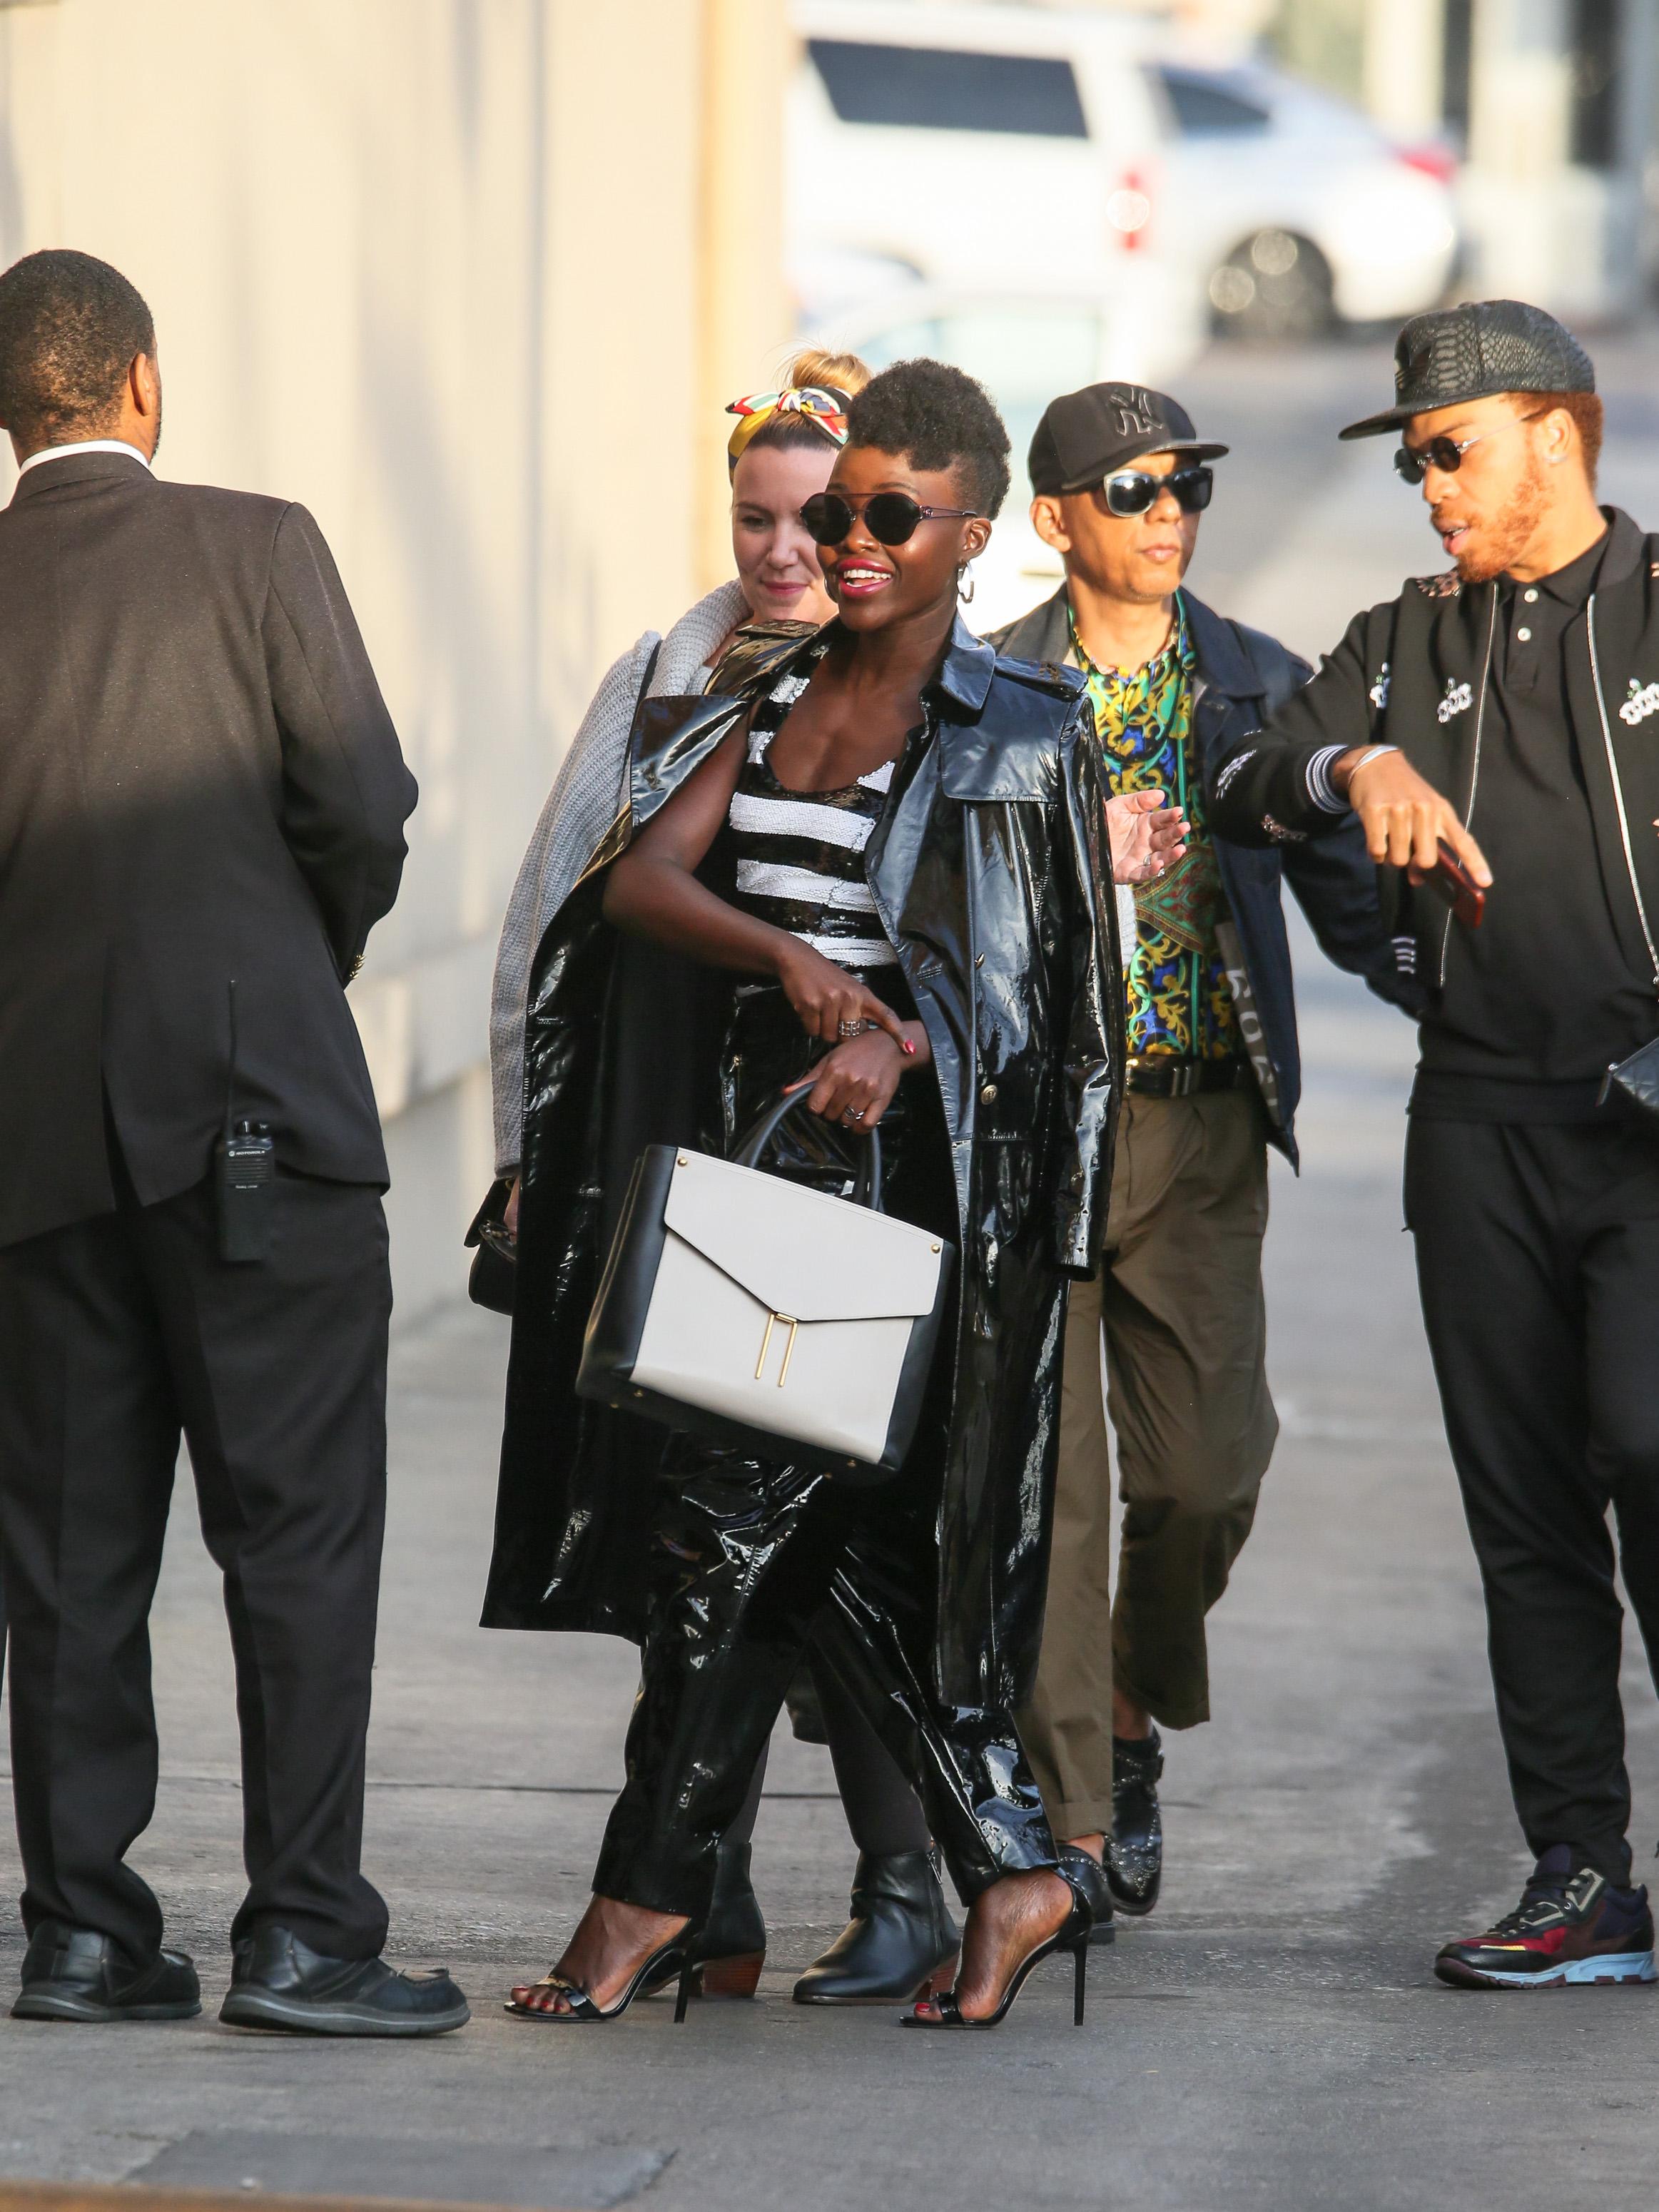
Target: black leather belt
x,y
1162,1075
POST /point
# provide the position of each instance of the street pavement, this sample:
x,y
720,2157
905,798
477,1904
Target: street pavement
x,y
1272,2037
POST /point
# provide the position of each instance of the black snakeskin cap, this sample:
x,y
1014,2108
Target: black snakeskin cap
x,y
1474,352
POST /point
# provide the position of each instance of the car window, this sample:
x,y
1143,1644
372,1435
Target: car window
x,y
933,88
1207,107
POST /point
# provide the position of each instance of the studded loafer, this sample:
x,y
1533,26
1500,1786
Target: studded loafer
x,y
1135,1853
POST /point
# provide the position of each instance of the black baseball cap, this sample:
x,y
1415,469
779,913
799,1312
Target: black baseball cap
x,y
1086,436
1474,352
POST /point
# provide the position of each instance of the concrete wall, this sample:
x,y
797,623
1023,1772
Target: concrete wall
x,y
473,279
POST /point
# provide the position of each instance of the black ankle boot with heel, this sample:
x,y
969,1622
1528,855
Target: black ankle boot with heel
x,y
730,1951
900,1944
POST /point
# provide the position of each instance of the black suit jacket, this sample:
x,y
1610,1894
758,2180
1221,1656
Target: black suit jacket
x,y
198,782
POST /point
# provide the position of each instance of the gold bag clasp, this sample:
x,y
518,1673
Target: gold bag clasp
x,y
793,1325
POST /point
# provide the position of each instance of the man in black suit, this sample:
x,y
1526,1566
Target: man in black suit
x,y
202,802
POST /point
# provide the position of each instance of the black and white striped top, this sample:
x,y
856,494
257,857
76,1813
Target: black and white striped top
x,y
800,854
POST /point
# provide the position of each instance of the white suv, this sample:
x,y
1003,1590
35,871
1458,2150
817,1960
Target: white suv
x,y
1006,149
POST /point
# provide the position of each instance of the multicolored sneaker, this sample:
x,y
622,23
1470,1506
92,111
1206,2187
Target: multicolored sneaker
x,y
1569,1927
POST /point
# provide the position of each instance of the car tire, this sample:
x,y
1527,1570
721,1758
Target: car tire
x,y
1273,289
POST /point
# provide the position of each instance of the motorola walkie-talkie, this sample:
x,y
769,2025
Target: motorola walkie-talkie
x,y
244,1173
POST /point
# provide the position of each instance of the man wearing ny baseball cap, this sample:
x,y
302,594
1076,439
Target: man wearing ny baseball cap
x,y
1120,478
1502,711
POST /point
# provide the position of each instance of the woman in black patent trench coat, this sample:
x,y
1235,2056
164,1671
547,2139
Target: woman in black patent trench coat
x,y
620,1051
989,880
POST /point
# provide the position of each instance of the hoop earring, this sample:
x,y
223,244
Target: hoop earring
x,y
965,584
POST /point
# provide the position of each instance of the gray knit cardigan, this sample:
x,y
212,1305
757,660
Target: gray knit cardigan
x,y
586,795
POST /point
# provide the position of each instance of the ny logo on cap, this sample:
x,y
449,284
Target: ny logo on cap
x,y
1137,414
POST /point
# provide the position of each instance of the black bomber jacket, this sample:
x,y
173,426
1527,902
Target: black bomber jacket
x,y
1415,672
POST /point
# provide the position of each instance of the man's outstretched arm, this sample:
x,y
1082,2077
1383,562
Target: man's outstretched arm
x,y
1325,753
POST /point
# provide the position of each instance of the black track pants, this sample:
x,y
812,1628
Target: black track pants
x,y
1538,1258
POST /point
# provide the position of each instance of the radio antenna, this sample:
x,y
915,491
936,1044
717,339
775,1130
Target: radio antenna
x,y
230,1066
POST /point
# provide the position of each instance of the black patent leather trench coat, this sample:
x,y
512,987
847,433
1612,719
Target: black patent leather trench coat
x,y
991,879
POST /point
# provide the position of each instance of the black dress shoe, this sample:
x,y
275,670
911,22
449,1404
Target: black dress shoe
x,y
1088,1876
276,1981
75,1973
900,1944
727,1957
1134,1854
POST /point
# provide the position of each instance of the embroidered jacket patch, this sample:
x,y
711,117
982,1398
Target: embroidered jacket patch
x,y
1459,698
1239,761
1379,691
1643,701
1446,585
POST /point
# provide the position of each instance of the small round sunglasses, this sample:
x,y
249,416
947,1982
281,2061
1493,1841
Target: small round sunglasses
x,y
892,518
1134,491
1413,463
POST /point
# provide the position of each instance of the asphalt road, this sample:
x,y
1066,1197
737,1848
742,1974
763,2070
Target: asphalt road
x,y
1272,2037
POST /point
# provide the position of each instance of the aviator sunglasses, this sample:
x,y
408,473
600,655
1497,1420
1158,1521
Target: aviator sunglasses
x,y
1413,463
1134,491
892,518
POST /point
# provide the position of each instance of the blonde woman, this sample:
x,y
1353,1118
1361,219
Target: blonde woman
x,y
782,451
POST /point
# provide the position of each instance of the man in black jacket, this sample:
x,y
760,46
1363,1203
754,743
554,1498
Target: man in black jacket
x,y
1513,696
202,802
1120,478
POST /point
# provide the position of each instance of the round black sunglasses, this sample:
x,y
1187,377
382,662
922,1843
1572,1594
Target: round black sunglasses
x,y
1134,491
892,518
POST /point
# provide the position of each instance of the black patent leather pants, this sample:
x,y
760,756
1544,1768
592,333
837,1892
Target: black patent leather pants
x,y
755,1561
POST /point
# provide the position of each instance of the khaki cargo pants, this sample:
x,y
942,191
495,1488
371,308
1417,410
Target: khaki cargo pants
x,y
1180,1298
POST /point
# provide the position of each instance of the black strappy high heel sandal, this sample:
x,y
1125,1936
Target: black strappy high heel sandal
x,y
1073,1936
677,1956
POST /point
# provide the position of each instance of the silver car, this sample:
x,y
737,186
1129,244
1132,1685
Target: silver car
x,y
1013,149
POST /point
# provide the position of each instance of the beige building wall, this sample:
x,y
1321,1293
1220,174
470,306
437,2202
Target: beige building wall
x,y
472,279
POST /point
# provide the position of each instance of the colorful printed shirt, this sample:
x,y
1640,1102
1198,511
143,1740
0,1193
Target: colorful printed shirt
x,y
1175,984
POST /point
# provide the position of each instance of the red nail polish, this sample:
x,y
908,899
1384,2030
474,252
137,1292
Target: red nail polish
x,y
909,1049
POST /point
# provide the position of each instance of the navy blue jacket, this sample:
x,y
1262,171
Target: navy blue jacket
x,y
1243,676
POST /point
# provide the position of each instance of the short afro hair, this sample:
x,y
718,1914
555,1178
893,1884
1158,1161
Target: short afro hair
x,y
70,326
937,418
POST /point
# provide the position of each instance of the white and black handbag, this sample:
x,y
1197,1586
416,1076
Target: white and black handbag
x,y
757,1314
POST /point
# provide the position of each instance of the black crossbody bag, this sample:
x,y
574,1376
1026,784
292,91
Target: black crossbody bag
x,y
1635,1080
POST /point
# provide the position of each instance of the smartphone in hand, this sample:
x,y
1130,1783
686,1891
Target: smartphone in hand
x,y
1451,881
